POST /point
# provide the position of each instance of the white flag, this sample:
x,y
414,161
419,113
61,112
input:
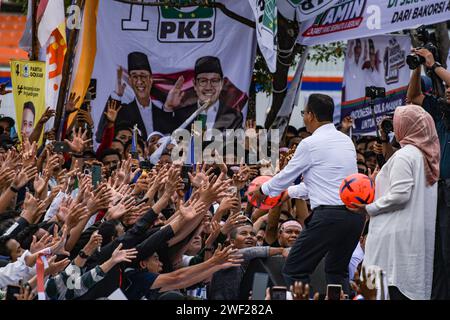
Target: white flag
x,y
265,12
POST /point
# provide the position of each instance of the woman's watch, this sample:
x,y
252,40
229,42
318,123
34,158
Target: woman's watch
x,y
436,65
83,254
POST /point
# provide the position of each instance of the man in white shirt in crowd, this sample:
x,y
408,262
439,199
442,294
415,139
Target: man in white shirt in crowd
x,y
324,159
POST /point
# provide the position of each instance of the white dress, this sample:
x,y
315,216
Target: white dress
x,y
402,224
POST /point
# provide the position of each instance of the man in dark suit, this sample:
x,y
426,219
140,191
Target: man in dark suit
x,y
141,110
208,84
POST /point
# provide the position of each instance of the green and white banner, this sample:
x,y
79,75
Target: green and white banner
x,y
352,19
265,12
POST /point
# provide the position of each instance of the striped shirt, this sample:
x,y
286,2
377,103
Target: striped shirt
x,y
72,283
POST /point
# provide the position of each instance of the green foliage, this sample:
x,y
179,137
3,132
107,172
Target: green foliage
x,y
328,52
262,76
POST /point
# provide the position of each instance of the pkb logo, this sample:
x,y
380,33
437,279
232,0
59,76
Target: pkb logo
x,y
189,24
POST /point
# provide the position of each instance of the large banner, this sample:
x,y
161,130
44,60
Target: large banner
x,y
303,10
351,19
377,61
28,82
169,61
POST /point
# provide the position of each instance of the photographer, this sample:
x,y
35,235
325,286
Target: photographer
x,y
440,112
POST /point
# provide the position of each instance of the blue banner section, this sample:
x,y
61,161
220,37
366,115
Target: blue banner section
x,y
361,112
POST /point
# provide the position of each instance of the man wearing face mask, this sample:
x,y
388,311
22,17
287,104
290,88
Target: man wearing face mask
x,y
208,84
141,110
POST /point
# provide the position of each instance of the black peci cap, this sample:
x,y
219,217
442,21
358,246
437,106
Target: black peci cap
x,y
208,64
138,61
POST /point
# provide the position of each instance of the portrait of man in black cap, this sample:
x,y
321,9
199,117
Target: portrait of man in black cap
x,y
208,84
141,110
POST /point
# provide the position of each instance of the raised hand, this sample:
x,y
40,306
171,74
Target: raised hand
x,y
28,152
194,208
76,214
48,113
120,86
200,175
126,255
112,109
229,203
56,267
300,291
241,178
84,116
40,183
3,90
70,105
26,294
215,231
25,175
365,287
232,222
120,209
214,189
172,181
346,123
32,208
95,242
250,124
59,242
175,95
227,257
44,242
79,140
7,177
373,175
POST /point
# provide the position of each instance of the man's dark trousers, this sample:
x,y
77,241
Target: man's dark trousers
x,y
333,231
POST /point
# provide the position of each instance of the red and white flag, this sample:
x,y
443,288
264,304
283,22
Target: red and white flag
x,y
51,33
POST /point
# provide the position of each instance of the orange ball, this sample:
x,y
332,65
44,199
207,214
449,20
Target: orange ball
x,y
357,188
269,202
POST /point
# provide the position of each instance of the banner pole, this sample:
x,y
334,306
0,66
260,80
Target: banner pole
x,y
34,41
65,78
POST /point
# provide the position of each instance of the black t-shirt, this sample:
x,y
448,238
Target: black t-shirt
x,y
139,283
276,244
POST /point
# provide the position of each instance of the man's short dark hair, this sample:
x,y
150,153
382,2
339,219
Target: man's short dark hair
x,y
117,140
122,126
4,250
322,106
302,129
9,120
30,106
109,152
89,154
369,154
233,232
291,130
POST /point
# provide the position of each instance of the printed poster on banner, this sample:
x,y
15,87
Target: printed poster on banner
x,y
169,61
351,19
378,61
28,82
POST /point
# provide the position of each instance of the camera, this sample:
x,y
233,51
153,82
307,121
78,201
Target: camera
x,y
413,60
375,92
387,125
